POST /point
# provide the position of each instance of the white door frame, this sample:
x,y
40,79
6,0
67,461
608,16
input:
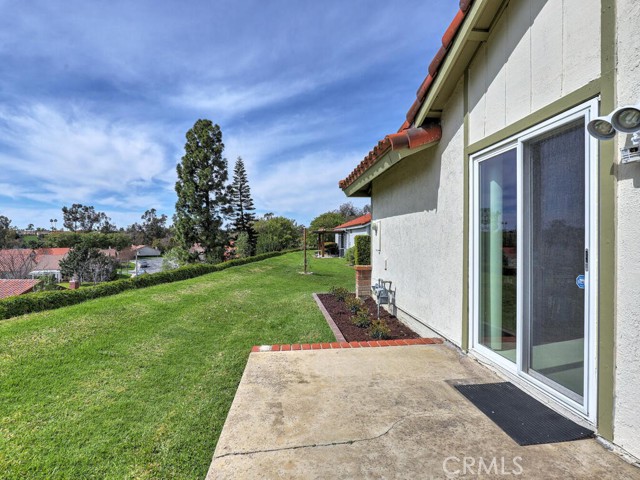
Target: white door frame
x,y
587,409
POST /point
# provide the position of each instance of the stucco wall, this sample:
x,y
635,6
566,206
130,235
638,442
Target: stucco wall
x,y
627,381
538,51
419,207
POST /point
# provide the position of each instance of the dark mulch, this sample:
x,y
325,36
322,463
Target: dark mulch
x,y
342,318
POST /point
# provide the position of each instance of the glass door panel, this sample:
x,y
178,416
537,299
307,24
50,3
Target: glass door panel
x,y
555,243
497,254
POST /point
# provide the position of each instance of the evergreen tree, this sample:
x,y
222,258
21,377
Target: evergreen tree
x,y
202,194
242,205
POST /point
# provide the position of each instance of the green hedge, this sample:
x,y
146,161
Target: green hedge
x,y
363,249
38,302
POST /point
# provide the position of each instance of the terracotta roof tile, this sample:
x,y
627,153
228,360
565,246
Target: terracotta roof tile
x,y
437,60
410,138
11,288
465,5
363,220
450,34
415,137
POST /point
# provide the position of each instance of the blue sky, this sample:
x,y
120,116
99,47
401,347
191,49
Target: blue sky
x,y
96,97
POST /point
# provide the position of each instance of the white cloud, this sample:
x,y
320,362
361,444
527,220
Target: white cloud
x,y
51,157
225,100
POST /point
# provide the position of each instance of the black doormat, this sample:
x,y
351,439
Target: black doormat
x,y
520,416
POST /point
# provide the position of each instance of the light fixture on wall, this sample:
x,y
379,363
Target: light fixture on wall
x,y
624,120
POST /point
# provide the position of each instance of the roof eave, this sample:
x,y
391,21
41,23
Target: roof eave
x,y
361,187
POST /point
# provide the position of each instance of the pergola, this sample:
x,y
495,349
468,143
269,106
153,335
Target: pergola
x,y
321,237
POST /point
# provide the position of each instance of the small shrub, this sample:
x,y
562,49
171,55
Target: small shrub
x,y
340,293
363,250
379,330
361,319
350,255
354,304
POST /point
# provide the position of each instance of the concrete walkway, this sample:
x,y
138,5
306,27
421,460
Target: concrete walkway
x,y
382,413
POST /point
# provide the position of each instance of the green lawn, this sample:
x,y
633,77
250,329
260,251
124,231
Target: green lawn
x,y
138,385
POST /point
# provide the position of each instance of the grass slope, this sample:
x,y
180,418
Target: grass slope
x,y
138,385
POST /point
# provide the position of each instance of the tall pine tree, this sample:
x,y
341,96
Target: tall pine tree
x,y
202,194
242,205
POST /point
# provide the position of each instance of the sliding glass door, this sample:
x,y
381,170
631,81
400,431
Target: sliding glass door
x,y
555,246
531,284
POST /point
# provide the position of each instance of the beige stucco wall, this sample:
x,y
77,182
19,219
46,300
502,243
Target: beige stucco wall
x,y
419,207
627,380
538,51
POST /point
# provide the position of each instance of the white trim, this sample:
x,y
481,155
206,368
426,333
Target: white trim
x,y
588,409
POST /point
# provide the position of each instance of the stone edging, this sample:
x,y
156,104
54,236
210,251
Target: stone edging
x,y
334,328
341,344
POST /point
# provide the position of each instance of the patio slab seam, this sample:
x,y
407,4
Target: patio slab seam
x,y
340,344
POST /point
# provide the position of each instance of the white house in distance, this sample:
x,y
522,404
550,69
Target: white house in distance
x,y
348,231
503,224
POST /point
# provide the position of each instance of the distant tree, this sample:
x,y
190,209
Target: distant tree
x,y
327,221
105,224
174,258
117,240
242,205
88,264
203,200
31,226
135,233
242,246
62,239
84,218
8,234
154,227
276,233
349,211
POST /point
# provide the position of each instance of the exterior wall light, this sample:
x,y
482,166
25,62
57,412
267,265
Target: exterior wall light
x,y
624,120
601,128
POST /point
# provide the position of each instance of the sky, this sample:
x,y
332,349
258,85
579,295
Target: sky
x,y
96,97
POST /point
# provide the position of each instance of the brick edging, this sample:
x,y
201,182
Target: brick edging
x,y
334,328
341,344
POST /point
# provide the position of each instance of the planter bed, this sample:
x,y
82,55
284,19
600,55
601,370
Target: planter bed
x,y
341,316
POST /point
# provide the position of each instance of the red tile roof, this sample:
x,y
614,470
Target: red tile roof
x,y
363,220
408,126
52,251
409,138
11,288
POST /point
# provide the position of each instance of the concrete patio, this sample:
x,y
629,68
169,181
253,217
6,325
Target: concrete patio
x,y
382,413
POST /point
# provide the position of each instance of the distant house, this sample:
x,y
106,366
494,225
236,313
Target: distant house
x,y
146,251
48,265
348,231
27,263
131,252
14,287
